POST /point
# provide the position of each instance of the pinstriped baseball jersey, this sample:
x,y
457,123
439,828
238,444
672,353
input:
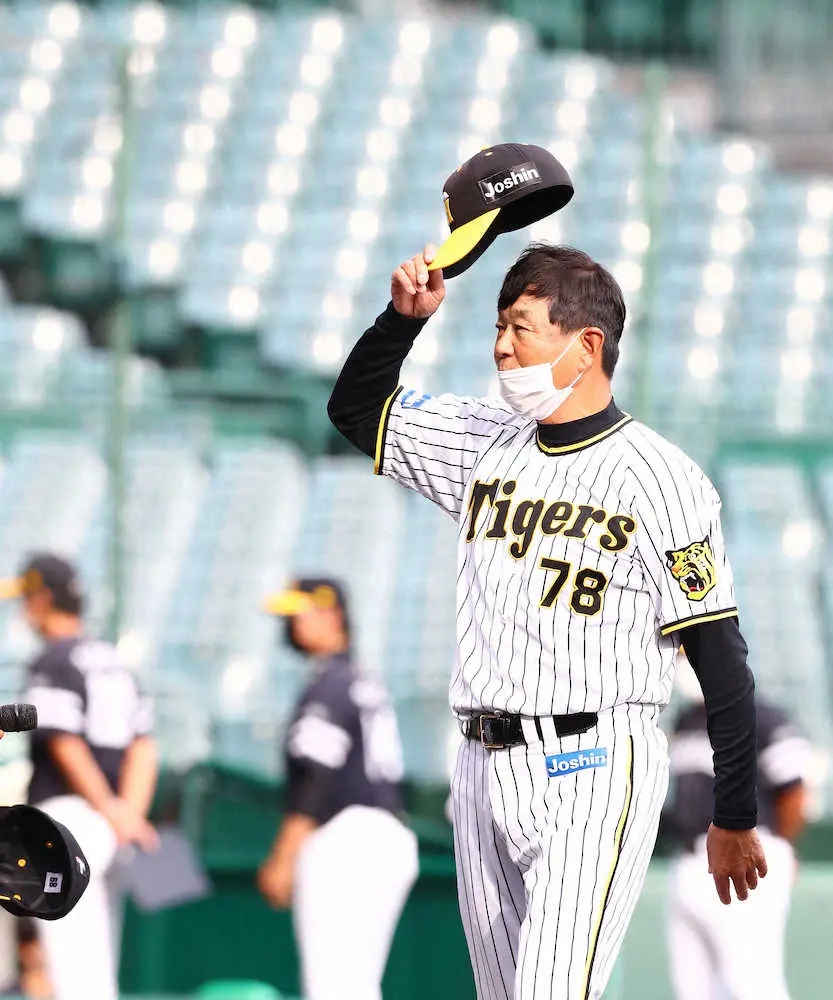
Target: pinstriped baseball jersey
x,y
577,563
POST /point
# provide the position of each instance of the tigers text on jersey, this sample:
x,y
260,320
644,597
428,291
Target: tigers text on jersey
x,y
577,561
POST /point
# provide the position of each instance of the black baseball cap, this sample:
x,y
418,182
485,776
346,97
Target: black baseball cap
x,y
43,871
498,190
45,570
306,594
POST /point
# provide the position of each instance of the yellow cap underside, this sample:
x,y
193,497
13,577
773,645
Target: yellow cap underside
x,y
463,240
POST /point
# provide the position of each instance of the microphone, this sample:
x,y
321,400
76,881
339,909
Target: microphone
x,y
18,718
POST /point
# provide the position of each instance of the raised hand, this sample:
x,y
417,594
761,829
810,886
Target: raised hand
x,y
416,291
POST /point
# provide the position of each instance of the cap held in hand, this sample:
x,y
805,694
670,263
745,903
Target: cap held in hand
x,y
498,190
43,871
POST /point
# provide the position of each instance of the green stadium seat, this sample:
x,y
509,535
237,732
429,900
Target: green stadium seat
x,y
155,322
629,26
48,494
562,24
234,560
88,376
165,484
700,28
12,232
344,501
772,530
40,329
238,989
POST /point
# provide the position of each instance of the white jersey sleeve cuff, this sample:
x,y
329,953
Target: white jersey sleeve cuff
x,y
320,741
58,709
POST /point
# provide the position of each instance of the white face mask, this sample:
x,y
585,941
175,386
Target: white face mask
x,y
530,392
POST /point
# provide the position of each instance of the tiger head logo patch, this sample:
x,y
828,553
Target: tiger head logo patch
x,y
693,568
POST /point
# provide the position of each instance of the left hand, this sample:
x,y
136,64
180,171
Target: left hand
x,y
129,826
275,881
736,855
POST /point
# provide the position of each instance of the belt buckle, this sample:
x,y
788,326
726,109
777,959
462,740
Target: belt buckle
x,y
487,743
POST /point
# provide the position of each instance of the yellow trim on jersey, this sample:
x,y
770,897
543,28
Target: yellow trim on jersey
x,y
698,620
578,445
620,832
380,433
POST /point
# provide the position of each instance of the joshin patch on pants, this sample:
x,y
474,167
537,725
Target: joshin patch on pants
x,y
559,764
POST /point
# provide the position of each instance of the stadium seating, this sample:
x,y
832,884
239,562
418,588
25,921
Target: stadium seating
x,y
264,174
266,191
777,557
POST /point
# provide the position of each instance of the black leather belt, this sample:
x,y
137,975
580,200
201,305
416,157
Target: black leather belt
x,y
497,731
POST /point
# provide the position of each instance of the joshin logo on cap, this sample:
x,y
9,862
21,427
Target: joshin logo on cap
x,y
525,175
500,189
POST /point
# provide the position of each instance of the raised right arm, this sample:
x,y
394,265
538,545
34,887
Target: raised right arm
x,y
370,375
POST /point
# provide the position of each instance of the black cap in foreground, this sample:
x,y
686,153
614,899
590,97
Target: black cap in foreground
x,y
498,190
43,871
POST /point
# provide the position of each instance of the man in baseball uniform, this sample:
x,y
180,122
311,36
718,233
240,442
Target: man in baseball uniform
x,y
718,952
94,770
343,858
589,548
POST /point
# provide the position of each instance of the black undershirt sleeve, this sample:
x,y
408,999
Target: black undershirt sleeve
x,y
717,652
370,376
310,790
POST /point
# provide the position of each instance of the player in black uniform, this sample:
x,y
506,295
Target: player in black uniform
x,y
343,858
94,769
713,947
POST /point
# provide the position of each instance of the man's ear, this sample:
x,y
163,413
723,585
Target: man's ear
x,y
592,340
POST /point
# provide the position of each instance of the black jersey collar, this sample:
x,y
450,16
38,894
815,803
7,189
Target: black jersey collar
x,y
558,439
337,661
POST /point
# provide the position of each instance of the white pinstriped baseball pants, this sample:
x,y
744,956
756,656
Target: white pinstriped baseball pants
x,y
549,869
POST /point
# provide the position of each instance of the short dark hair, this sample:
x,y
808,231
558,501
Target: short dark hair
x,y
580,292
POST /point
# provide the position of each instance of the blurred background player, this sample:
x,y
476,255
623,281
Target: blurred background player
x,y
31,978
342,858
93,769
715,951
